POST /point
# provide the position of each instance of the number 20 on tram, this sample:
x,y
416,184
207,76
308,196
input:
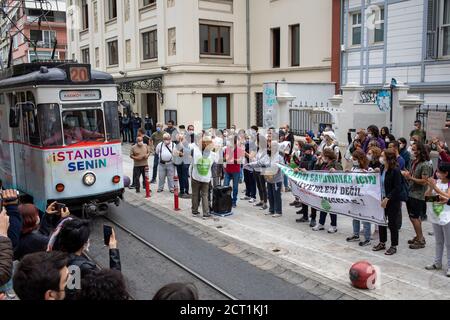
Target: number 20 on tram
x,y
60,138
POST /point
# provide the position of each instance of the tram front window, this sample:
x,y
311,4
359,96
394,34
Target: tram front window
x,y
83,126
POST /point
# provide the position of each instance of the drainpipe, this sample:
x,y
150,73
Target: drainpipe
x,y
249,76
341,56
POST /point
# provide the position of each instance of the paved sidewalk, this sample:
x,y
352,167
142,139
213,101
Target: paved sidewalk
x,y
325,257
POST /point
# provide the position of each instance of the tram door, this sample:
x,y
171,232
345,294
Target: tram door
x,y
19,149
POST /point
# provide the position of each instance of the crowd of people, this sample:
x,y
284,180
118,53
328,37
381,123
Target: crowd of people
x,y
43,257
211,158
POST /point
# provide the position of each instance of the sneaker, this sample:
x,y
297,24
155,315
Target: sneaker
x,y
332,229
268,213
196,214
252,200
206,216
364,243
379,247
259,204
277,215
313,223
245,198
417,245
318,227
131,187
353,238
391,251
434,266
293,204
159,191
302,220
264,207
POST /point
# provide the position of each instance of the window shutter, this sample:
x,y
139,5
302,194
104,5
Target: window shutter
x,y
432,29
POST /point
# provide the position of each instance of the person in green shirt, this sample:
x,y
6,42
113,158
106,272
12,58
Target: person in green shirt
x,y
418,131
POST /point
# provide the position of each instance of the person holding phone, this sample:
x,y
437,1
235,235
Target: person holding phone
x,y
10,202
437,197
6,251
35,233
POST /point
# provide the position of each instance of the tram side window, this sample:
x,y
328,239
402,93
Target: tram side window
x,y
50,125
112,120
33,127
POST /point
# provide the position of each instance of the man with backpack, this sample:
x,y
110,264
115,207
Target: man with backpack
x,y
166,167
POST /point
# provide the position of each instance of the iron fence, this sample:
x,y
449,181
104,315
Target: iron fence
x,y
302,121
423,110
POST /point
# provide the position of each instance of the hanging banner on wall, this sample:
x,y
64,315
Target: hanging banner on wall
x,y
357,195
270,105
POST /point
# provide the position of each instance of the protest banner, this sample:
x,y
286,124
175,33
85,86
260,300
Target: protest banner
x,y
357,195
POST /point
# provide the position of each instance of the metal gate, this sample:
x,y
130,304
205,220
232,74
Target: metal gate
x,y
305,120
422,112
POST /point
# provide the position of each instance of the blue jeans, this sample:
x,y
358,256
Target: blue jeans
x,y
235,177
274,195
286,181
155,167
357,229
183,175
148,133
135,132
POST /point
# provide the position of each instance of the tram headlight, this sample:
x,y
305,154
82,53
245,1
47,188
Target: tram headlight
x,y
89,179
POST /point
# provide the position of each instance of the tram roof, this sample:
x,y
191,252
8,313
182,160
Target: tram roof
x,y
49,73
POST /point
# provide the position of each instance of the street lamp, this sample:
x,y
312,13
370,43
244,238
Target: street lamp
x,y
393,86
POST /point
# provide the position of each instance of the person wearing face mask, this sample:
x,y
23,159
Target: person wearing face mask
x,y
440,214
306,163
148,125
73,239
327,162
373,155
203,158
36,233
360,164
416,205
126,129
157,138
373,134
391,181
140,153
191,134
166,168
418,131
404,153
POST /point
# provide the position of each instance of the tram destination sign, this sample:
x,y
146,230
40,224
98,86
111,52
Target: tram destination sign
x,y
79,95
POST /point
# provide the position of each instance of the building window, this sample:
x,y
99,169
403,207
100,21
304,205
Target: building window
x,y
84,15
127,10
295,45
95,9
215,40
112,9
276,47
259,109
43,38
97,57
148,3
85,55
379,27
438,29
113,53
170,115
446,28
172,39
128,50
356,29
150,45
